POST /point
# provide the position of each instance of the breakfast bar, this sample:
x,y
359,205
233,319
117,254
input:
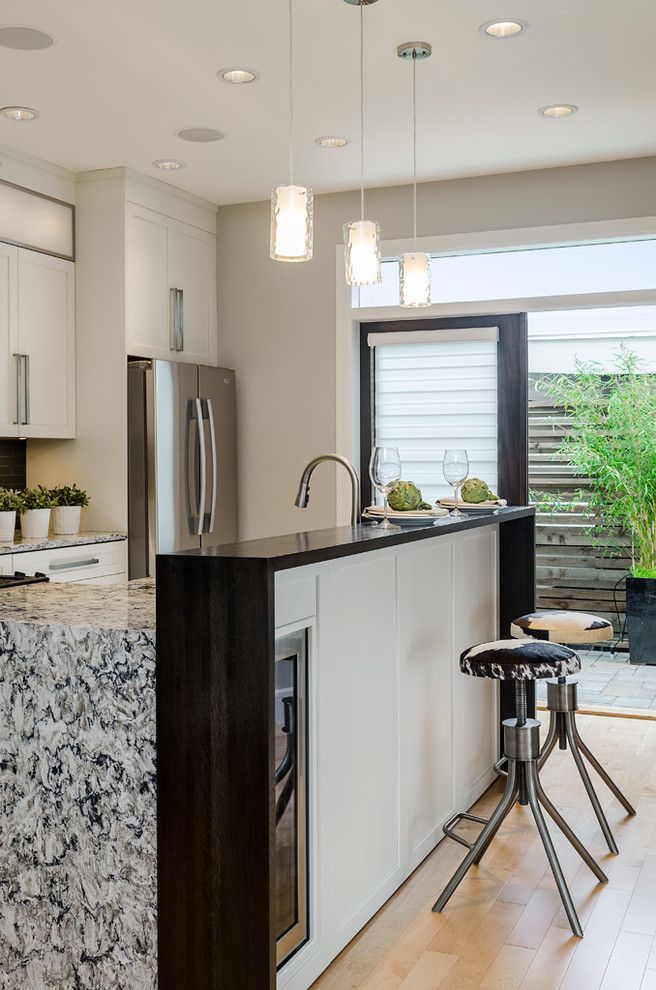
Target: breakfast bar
x,y
314,732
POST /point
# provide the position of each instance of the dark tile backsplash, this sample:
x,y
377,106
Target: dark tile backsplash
x,y
12,463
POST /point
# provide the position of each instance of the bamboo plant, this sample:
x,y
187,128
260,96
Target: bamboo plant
x,y
612,441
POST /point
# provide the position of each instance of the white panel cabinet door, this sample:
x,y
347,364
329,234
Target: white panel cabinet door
x,y
46,338
427,673
149,249
8,341
6,563
363,750
476,708
194,275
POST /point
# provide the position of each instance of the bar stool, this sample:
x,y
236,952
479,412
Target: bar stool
x,y
520,661
572,628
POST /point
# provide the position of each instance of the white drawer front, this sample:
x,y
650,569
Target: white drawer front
x,y
83,563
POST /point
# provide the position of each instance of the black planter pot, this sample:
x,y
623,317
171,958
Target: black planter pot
x,y
641,618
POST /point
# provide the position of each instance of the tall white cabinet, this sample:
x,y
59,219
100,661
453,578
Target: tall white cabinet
x,y
37,344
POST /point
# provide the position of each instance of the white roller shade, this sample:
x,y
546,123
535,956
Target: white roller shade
x,y
436,390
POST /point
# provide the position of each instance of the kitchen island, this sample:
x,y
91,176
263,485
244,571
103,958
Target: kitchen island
x,y
77,787
395,740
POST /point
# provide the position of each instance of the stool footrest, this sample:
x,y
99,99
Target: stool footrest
x,y
449,827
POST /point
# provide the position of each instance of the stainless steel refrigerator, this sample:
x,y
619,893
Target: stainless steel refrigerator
x,y
182,460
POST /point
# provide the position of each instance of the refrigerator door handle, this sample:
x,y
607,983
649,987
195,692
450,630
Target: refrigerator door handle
x,y
212,513
200,433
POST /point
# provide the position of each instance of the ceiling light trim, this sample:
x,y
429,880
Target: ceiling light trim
x,y
485,29
169,164
331,142
570,108
20,114
253,73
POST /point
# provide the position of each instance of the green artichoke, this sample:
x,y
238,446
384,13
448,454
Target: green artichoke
x,y
476,491
406,497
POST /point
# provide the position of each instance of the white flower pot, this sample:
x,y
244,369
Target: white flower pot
x,y
66,520
35,524
7,526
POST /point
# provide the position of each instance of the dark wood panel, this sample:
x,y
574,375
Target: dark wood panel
x,y
516,593
215,769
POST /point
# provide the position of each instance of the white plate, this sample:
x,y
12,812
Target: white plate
x,y
417,518
450,503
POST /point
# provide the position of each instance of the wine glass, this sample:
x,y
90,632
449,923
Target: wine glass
x,y
385,473
456,468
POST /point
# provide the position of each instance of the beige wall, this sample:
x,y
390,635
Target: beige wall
x,y
277,321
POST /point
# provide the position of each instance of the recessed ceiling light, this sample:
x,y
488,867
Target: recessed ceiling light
x,y
558,111
329,141
503,29
19,113
238,76
24,39
168,164
201,135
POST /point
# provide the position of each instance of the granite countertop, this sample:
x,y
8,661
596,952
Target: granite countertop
x,y
124,607
55,542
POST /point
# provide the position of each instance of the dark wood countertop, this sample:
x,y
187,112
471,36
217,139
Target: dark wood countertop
x,y
298,549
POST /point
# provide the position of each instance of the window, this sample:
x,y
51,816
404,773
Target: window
x,y
619,266
437,389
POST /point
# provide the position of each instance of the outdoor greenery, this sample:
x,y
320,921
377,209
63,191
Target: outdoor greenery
x,y
9,500
69,495
35,498
612,441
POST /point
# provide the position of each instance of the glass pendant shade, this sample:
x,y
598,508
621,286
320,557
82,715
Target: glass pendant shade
x,y
415,280
292,219
362,252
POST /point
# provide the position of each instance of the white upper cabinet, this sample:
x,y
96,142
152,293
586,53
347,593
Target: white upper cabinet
x,y
171,288
37,344
8,340
46,341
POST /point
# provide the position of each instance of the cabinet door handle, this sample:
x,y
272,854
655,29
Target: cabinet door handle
x,y
176,328
26,384
181,320
67,565
19,407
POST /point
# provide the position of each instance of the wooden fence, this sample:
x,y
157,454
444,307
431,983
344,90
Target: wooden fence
x,y
573,569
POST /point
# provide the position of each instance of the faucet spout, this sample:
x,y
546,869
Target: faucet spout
x,y
303,494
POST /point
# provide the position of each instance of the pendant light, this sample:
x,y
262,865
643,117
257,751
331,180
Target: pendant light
x,y
292,206
362,237
415,265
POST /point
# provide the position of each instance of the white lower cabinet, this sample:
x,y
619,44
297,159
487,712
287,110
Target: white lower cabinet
x,y
91,563
399,739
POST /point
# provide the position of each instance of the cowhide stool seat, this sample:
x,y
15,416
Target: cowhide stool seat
x,y
520,661
572,628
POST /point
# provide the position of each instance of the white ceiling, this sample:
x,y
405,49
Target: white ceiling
x,y
125,74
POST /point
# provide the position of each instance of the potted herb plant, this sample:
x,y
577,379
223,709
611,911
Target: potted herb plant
x,y
9,504
68,502
35,506
612,441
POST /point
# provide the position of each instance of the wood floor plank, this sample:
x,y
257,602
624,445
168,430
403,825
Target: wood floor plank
x,y
628,962
504,926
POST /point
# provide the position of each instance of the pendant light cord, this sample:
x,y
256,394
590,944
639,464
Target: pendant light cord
x,y
414,152
291,93
361,109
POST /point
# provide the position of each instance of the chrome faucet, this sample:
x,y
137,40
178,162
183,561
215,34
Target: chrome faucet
x,y
303,496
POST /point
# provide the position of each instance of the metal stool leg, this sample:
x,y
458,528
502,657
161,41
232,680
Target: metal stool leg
x,y
550,741
594,762
567,831
556,868
587,783
507,802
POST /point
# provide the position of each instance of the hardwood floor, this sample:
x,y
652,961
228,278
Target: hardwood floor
x,y
505,926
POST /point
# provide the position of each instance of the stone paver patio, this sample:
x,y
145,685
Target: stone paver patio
x,y
611,681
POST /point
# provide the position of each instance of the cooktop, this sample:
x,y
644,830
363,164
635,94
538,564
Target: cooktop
x,y
18,578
